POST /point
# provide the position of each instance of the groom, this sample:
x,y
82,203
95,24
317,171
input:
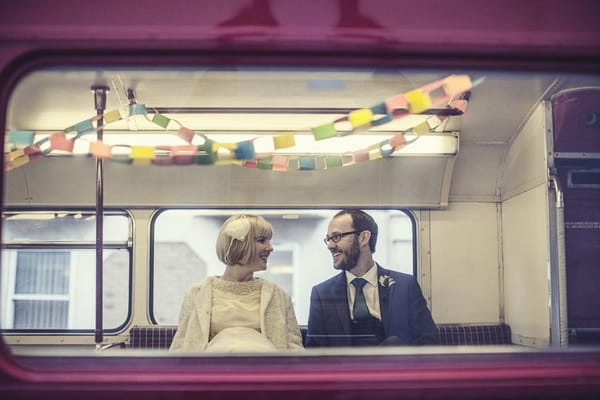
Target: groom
x,y
365,304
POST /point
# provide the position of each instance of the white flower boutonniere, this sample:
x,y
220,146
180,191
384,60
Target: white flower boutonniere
x,y
386,281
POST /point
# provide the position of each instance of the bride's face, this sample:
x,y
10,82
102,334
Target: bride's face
x,y
262,250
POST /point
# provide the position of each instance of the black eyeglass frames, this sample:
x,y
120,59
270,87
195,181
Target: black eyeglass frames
x,y
336,237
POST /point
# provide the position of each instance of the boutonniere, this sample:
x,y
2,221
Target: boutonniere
x,y
386,281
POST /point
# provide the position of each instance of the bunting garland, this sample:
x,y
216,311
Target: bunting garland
x,y
451,92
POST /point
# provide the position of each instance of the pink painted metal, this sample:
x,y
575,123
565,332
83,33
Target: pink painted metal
x,y
532,35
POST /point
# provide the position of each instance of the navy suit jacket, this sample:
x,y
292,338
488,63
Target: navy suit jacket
x,y
404,312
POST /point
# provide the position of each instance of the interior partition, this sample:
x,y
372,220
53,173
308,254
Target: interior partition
x,y
525,234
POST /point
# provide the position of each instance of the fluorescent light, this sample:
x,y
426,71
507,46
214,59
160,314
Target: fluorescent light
x,y
433,143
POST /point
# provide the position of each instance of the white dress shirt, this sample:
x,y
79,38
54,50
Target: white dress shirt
x,y
370,290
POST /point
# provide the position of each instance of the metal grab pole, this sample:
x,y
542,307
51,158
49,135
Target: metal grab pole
x,y
563,321
100,105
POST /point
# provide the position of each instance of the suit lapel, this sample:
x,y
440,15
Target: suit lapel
x,y
384,299
340,299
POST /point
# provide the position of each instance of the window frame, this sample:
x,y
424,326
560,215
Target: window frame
x,y
226,210
69,246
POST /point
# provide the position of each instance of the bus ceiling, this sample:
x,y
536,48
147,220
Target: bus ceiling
x,y
238,132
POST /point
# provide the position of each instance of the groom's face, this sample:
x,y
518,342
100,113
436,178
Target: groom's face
x,y
346,251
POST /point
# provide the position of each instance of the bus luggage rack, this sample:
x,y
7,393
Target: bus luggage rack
x,y
160,336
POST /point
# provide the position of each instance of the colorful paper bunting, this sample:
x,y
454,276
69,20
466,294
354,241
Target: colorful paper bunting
x,y
421,128
456,84
333,161
100,150
280,163
245,153
245,150
59,141
360,117
137,109
306,163
161,120
418,101
24,138
284,141
112,116
324,131
84,127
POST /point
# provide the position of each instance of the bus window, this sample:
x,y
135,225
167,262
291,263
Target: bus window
x,y
48,275
183,247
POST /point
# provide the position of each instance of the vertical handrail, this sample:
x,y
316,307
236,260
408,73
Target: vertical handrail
x,y
100,105
561,260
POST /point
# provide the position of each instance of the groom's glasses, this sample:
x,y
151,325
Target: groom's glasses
x,y
336,237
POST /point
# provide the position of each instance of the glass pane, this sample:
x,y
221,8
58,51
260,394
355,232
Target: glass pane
x,y
39,287
42,272
41,314
184,252
63,226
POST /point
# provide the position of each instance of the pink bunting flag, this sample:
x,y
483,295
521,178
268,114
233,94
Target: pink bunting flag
x,y
186,134
59,141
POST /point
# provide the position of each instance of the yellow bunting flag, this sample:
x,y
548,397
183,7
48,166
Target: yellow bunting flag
x,y
100,150
18,158
421,128
227,146
284,141
433,122
375,154
418,101
112,116
142,155
360,117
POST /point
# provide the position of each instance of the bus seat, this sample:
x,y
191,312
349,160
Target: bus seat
x,y
151,336
160,336
456,334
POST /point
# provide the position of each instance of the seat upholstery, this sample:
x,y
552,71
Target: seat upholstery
x,y
161,336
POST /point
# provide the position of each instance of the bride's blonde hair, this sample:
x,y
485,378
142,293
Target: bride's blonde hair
x,y
235,241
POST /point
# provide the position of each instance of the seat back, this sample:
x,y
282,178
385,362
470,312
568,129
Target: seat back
x,y
161,336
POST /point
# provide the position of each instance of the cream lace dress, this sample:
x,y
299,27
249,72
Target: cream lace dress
x,y
235,320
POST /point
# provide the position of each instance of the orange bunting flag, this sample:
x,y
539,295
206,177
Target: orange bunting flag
x,y
100,150
456,84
